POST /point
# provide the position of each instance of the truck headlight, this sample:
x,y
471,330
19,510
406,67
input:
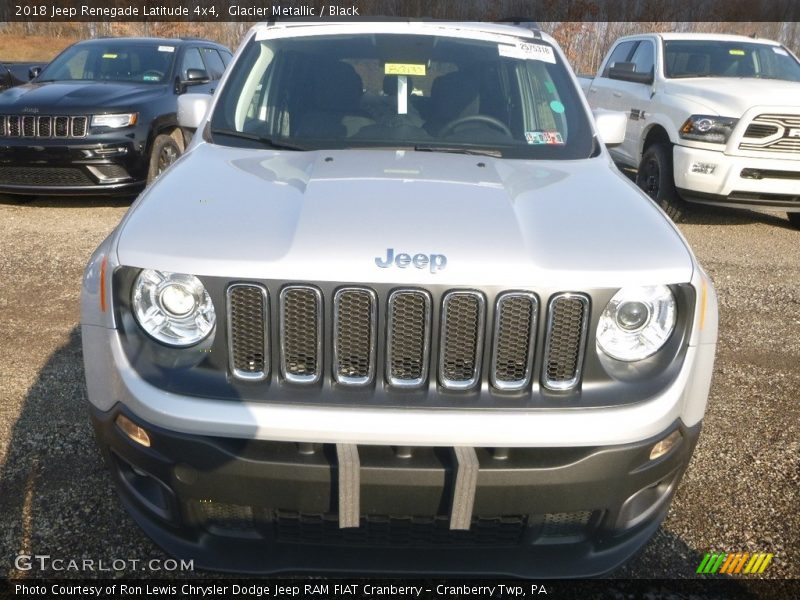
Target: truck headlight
x,y
706,128
637,322
115,121
173,308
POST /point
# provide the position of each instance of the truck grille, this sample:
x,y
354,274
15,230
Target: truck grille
x,y
463,337
774,130
43,126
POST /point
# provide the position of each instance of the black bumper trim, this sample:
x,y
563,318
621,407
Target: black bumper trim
x,y
249,484
744,199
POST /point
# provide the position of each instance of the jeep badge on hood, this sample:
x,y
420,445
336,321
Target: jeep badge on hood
x,y
436,262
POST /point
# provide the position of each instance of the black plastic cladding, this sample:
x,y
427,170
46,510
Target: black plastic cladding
x,y
209,375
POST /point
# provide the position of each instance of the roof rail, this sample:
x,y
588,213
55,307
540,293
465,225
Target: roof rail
x,y
523,22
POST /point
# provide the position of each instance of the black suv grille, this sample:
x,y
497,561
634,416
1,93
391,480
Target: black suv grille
x,y
43,126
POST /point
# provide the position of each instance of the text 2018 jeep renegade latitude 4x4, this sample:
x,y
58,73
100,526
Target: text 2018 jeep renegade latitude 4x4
x,y
396,310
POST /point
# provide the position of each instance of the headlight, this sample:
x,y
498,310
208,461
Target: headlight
x,y
705,128
636,322
174,309
115,121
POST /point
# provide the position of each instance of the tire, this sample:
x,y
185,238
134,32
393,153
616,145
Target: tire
x,y
164,152
794,219
655,178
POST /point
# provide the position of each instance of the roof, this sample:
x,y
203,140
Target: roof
x,y
716,37
148,40
522,29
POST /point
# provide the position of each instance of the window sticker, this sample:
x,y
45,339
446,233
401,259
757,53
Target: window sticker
x,y
404,69
528,52
780,51
150,78
735,52
544,137
166,48
109,55
556,107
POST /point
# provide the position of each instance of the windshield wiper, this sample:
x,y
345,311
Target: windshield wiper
x,y
459,150
263,139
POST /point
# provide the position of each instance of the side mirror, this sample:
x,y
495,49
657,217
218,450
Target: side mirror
x,y
626,72
611,126
192,109
33,72
196,76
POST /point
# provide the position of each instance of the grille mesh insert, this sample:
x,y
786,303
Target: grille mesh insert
x,y
301,323
45,176
409,324
393,530
515,324
565,341
354,336
247,322
462,336
566,524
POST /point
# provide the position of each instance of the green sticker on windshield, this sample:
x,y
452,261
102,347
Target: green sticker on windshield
x,y
548,85
736,52
556,107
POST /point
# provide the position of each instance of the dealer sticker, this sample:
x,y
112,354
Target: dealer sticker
x,y
166,48
527,51
404,69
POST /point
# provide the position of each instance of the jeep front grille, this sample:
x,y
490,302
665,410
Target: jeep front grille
x,y
770,133
248,331
408,338
43,126
461,345
514,340
367,344
565,341
354,331
301,333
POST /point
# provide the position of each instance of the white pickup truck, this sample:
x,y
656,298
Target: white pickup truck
x,y
713,119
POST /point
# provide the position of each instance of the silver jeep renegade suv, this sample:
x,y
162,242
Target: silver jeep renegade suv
x,y
396,310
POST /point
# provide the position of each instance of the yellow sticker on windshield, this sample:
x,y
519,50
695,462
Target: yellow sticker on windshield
x,y
404,69
109,56
736,52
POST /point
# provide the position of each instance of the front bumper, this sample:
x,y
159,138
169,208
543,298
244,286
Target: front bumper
x,y
767,182
88,166
256,506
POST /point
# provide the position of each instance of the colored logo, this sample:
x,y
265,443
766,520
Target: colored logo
x,y
734,563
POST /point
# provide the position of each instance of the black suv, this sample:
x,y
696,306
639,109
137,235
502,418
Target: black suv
x,y
101,118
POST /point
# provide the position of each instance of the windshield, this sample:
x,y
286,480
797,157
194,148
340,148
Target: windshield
x,y
711,58
423,92
111,61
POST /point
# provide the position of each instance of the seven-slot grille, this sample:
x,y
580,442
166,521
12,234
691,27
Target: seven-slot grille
x,y
408,337
43,126
772,133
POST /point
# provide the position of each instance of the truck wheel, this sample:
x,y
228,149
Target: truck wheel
x,y
655,178
165,152
794,219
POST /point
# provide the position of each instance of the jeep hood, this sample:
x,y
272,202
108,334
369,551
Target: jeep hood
x,y
327,216
732,97
85,96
